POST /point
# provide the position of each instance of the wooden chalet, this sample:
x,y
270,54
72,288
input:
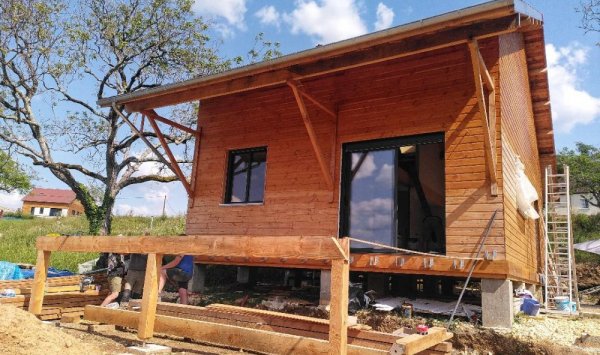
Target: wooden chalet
x,y
405,138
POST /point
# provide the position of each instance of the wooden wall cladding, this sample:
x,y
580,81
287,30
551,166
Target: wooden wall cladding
x,y
518,140
430,92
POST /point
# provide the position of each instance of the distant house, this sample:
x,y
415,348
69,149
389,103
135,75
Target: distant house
x,y
52,203
580,204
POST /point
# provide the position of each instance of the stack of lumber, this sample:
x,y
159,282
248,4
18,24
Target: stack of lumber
x,y
302,326
62,296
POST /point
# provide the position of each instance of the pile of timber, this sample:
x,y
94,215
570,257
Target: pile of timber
x,y
360,337
61,295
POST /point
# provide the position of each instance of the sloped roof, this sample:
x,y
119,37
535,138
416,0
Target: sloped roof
x,y
50,196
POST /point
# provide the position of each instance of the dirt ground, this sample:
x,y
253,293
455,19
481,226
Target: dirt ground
x,y
21,333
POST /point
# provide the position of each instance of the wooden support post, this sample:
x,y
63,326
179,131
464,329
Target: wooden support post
x,y
488,137
39,282
312,135
150,297
338,312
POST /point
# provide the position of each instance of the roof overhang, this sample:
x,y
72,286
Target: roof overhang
x,y
477,22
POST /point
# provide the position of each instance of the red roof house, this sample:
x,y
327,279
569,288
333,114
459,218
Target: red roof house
x,y
52,203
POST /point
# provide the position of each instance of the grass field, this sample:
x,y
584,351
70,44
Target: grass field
x,y
17,236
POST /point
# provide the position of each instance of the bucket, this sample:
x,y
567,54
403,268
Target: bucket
x,y
530,307
562,303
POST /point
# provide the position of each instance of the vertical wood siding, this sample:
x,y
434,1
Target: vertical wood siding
x,y
518,139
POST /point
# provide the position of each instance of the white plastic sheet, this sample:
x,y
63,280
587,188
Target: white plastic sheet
x,y
526,193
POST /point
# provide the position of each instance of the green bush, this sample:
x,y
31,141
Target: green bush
x,y
17,236
586,228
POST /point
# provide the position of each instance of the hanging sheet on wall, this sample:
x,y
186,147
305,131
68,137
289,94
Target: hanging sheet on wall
x,y
526,193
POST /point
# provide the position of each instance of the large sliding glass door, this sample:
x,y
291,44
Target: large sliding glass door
x,y
393,193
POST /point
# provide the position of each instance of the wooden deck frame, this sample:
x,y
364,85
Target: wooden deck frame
x,y
318,249
488,112
299,93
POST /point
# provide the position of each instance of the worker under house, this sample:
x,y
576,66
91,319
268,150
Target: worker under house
x,y
409,138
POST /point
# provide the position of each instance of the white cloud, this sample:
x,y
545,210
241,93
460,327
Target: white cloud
x,y
386,174
367,167
571,104
326,20
147,200
11,200
385,17
268,15
233,11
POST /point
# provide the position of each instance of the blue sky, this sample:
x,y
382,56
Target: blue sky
x,y
573,60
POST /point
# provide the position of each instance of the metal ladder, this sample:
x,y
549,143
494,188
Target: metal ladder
x,y
560,276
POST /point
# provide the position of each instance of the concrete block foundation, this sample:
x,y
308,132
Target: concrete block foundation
x,y
497,303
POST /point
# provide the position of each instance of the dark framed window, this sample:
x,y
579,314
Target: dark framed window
x,y
246,170
32,210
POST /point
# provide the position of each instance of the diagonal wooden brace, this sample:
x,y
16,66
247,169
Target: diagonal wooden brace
x,y
488,114
311,134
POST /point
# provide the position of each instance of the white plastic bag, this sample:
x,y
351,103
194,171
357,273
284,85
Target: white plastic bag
x,y
526,193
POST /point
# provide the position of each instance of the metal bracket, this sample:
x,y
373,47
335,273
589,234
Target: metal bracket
x,y
458,264
400,261
373,260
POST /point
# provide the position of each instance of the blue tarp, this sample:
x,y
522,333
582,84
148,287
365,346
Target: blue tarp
x,y
10,271
52,272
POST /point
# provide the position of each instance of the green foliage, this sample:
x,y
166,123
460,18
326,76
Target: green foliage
x,y
586,228
17,237
584,170
11,176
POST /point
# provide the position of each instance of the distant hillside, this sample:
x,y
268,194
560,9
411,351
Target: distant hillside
x,y
17,237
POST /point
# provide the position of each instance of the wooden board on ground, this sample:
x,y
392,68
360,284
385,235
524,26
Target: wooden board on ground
x,y
240,337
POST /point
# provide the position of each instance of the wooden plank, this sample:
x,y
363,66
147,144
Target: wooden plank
x,y
312,135
338,313
152,114
39,281
416,343
150,297
173,162
246,246
224,334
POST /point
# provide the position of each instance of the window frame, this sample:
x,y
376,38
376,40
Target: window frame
x,y
229,176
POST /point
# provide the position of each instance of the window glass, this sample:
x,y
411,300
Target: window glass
x,y
371,197
257,176
246,176
239,177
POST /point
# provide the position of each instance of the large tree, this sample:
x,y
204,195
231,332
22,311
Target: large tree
x,y
69,56
590,11
12,177
584,170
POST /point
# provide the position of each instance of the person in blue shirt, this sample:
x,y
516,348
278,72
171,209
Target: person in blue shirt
x,y
179,270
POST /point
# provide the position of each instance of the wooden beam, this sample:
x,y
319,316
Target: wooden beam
x,y
489,144
241,246
404,45
415,343
233,336
142,137
338,313
300,89
157,117
39,282
150,297
173,162
487,78
312,135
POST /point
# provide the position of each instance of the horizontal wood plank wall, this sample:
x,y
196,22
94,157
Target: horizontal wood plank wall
x,y
518,140
431,92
